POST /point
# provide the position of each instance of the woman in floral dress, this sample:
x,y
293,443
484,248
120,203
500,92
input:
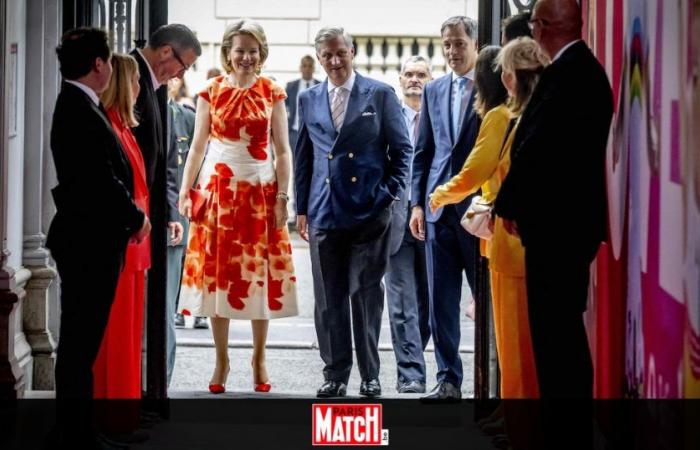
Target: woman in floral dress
x,y
238,263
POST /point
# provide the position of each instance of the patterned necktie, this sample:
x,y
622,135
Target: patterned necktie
x,y
338,107
457,97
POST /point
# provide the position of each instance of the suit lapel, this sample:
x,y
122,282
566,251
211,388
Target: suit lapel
x,y
359,96
102,114
323,110
157,116
294,100
445,95
152,95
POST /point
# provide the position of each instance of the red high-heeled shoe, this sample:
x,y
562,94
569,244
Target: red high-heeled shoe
x,y
263,387
260,387
217,388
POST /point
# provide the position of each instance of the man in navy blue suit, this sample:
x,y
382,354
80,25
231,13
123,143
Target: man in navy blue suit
x,y
351,163
447,131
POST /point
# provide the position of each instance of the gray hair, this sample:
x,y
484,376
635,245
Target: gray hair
x,y
177,35
326,34
471,26
416,59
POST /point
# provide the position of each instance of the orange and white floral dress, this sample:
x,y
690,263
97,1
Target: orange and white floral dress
x,y
237,264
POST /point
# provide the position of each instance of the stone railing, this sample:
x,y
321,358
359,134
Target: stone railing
x,y
381,56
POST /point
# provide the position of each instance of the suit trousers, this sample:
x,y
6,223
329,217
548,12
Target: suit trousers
x,y
450,251
407,299
348,264
174,276
557,292
88,286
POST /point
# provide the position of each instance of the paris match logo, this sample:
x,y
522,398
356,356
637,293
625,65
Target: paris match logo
x,y
348,424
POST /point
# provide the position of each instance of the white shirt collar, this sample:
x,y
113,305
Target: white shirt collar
x,y
349,83
469,75
409,112
88,90
564,48
154,80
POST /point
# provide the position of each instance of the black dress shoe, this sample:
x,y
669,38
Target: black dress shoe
x,y
411,387
444,392
332,388
371,388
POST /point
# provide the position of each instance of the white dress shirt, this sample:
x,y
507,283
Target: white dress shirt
x,y
154,80
349,83
410,116
303,85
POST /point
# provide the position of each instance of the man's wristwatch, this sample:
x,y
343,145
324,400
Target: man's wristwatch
x,y
282,196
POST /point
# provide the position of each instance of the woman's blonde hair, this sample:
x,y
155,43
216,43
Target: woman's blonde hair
x,y
250,28
524,58
119,93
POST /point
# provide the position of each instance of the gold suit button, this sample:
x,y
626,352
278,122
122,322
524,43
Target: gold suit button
x,y
330,156
350,155
328,181
353,179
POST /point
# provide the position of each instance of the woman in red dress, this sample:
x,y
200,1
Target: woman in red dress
x,y
117,370
238,263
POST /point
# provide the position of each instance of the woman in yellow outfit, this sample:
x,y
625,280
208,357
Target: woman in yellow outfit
x,y
520,63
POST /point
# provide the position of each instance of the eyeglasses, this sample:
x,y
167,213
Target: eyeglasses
x,y
542,22
185,67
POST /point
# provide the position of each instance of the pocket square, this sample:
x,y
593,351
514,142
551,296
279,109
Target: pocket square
x,y
369,114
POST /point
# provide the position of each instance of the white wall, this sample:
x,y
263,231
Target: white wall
x,y
291,26
16,30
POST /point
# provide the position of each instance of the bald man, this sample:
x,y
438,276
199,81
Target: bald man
x,y
554,196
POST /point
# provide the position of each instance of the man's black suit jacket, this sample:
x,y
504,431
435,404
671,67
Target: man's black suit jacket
x,y
151,138
555,189
95,183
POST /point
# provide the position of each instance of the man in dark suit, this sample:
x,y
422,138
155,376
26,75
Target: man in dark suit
x,y
567,119
294,88
351,162
93,201
406,276
171,51
447,132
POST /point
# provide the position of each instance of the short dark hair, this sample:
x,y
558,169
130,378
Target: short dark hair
x,y
78,50
471,26
487,81
176,35
516,26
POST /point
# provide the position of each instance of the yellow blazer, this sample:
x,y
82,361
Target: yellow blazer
x,y
484,170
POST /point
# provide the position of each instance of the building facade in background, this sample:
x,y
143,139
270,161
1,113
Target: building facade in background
x,y
385,32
